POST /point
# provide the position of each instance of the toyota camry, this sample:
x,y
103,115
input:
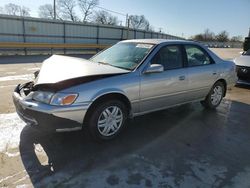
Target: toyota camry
x,y
131,78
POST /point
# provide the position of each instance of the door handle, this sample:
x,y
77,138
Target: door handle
x,y
214,73
182,77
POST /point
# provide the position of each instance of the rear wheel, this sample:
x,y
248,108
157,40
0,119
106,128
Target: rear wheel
x,y
107,120
215,96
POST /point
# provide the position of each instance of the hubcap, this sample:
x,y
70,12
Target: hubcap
x,y
216,95
110,121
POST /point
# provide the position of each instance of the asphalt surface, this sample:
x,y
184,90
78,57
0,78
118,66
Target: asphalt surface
x,y
185,146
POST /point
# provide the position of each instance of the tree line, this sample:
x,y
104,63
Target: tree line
x,y
67,10
89,11
223,36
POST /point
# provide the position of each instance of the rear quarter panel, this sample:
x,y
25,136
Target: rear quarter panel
x,y
227,71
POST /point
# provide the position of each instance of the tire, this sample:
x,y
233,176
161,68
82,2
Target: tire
x,y
107,120
215,96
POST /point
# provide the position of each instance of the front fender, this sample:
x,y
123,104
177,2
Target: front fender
x,y
107,91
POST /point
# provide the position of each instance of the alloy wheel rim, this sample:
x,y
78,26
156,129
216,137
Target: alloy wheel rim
x,y
110,121
216,95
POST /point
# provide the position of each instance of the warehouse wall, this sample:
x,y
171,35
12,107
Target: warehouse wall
x,y
36,30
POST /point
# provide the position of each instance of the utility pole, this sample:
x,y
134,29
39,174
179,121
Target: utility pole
x,y
128,22
54,8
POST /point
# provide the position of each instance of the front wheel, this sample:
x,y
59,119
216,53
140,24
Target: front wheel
x,y
107,120
215,96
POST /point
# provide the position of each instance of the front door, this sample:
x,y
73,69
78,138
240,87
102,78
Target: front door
x,y
167,88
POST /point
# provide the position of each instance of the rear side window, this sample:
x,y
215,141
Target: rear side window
x,y
170,57
196,56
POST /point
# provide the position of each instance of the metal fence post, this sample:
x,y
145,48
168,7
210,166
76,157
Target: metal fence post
x,y
24,37
121,33
97,36
64,36
128,24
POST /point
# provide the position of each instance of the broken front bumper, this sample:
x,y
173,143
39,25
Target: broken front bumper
x,y
48,117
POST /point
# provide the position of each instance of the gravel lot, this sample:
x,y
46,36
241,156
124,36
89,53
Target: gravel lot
x,y
185,146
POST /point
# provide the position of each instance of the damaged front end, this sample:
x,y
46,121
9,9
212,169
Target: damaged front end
x,y
46,107
43,103
45,116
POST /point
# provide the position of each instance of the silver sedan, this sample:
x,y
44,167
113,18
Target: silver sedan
x,y
131,78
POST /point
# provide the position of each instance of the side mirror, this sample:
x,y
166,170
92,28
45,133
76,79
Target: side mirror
x,y
154,68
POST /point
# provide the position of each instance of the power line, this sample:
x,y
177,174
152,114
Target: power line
x,y
122,14
111,11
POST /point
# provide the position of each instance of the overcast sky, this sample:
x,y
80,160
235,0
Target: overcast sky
x,y
176,17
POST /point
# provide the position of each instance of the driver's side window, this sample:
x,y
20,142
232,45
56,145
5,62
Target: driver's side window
x,y
170,57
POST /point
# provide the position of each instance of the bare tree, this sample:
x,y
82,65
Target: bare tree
x,y
223,36
12,9
24,11
16,10
67,9
46,11
208,35
139,22
150,28
238,38
87,7
103,17
198,37
1,10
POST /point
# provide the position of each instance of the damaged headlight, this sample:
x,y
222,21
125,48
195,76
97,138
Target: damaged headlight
x,y
63,98
55,98
42,96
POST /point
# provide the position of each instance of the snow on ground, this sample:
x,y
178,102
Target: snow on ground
x,y
17,77
11,127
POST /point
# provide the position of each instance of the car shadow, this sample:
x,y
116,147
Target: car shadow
x,y
65,150
70,154
243,86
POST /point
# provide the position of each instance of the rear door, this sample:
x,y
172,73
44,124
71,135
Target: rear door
x,y
202,71
159,90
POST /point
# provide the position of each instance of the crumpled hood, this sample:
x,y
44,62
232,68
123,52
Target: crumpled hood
x,y
58,68
243,60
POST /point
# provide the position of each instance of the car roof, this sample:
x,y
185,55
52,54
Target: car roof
x,y
159,41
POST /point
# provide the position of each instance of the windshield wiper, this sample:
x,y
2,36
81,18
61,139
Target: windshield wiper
x,y
104,63
122,67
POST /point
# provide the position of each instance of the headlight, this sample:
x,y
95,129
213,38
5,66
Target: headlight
x,y
54,98
42,96
63,98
